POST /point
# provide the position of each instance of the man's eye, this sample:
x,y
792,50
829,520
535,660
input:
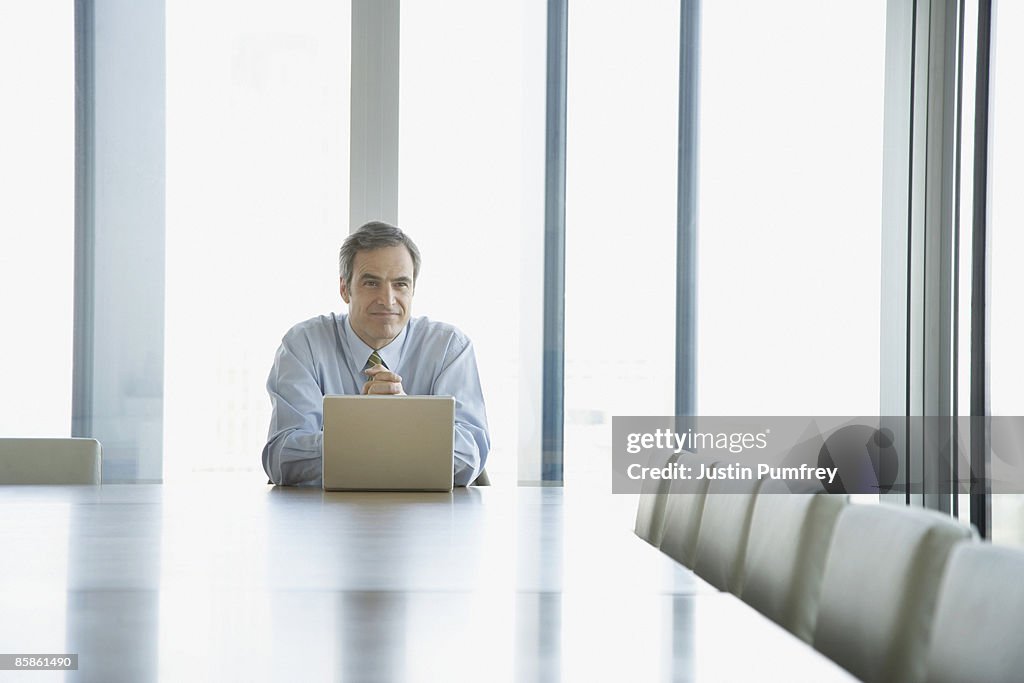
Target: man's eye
x,y
402,285
369,283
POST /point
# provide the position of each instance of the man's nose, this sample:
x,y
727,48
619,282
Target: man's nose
x,y
387,293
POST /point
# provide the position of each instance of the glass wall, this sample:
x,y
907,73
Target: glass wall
x,y
37,216
621,159
257,206
790,207
1006,244
471,173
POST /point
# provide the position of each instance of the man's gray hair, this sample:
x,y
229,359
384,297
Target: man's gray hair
x,y
375,235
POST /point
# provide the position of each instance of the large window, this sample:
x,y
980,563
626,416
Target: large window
x,y
790,207
1006,239
471,104
621,158
37,219
257,206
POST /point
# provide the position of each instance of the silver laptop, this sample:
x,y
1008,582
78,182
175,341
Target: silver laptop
x,y
388,443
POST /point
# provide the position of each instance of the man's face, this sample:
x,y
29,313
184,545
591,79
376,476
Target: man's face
x,y
380,298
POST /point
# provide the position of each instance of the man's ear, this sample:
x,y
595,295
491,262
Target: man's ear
x,y
344,291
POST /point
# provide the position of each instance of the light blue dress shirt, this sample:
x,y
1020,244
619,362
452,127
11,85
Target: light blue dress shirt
x,y
324,355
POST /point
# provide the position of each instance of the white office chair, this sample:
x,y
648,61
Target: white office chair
x,y
650,511
684,509
976,632
880,587
724,528
785,559
50,461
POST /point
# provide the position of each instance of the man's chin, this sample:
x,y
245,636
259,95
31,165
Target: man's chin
x,y
388,332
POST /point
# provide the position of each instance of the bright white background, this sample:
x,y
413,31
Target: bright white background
x,y
1006,369
1007,217
257,183
470,185
37,216
257,206
790,208
257,180
623,85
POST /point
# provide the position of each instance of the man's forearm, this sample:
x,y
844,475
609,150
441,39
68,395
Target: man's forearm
x,y
294,458
471,446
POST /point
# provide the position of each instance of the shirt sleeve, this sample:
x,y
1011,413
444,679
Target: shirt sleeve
x,y
461,379
294,450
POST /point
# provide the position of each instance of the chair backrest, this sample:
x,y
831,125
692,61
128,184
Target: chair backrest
x,y
785,559
684,509
880,587
650,511
50,461
976,631
724,529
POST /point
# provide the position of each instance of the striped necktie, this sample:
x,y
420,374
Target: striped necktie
x,y
375,359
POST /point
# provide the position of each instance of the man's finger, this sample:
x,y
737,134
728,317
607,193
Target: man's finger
x,y
378,373
384,388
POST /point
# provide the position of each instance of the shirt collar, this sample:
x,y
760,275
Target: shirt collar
x,y
390,354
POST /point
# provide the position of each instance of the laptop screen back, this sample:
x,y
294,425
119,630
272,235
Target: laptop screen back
x,y
388,443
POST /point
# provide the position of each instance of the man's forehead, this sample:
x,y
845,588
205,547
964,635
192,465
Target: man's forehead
x,y
395,261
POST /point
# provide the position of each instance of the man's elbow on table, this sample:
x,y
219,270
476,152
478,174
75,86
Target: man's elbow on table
x,y
283,471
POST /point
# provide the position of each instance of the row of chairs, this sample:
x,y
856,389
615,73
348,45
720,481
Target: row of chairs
x,y
888,592
50,461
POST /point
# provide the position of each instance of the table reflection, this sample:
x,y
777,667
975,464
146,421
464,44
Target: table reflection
x,y
233,582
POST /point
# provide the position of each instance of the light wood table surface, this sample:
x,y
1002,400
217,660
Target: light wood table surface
x,y
225,580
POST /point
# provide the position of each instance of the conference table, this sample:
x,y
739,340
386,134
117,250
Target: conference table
x,y
224,579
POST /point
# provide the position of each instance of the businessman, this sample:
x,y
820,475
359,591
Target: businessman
x,y
377,348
